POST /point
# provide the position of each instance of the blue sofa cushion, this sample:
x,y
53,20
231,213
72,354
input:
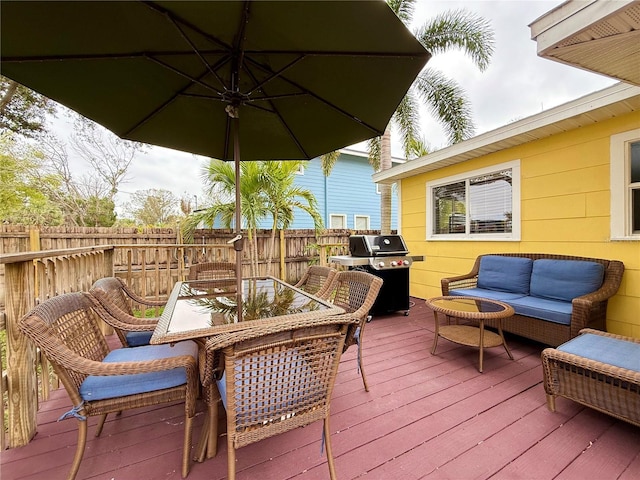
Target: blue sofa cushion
x,y
565,279
555,311
485,293
506,274
138,339
612,351
96,387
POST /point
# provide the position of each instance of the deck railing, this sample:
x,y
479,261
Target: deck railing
x,y
150,269
32,277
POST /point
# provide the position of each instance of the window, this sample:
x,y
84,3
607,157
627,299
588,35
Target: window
x,y
361,222
337,221
625,185
300,170
482,204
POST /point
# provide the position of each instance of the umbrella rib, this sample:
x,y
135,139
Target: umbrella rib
x,y
317,97
196,51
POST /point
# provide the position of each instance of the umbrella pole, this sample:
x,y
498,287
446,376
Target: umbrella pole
x,y
238,244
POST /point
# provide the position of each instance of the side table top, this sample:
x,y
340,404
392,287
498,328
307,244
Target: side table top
x,y
470,307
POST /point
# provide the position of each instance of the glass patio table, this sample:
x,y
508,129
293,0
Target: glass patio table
x,y
202,308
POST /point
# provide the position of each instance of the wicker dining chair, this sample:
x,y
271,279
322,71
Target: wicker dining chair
x,y
119,300
356,292
316,279
99,381
213,271
272,379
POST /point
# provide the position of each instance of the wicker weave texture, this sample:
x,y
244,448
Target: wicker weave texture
x,y
66,329
609,389
118,300
589,311
278,377
212,271
317,279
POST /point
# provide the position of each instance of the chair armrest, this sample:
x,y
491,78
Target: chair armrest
x,y
470,280
114,316
143,301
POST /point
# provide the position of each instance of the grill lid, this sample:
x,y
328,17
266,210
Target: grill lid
x,y
377,245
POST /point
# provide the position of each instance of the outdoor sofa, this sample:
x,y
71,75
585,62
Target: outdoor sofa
x,y
554,296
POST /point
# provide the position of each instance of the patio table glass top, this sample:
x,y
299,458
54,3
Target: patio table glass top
x,y
202,308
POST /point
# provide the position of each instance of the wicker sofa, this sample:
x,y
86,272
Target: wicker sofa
x,y
554,296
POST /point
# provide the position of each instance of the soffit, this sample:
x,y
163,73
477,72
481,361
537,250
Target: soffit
x,y
600,36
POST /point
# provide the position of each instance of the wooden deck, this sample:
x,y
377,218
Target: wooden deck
x,y
425,416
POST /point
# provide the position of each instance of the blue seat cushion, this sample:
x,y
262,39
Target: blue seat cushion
x,y
506,274
485,293
97,387
555,311
137,339
565,279
612,351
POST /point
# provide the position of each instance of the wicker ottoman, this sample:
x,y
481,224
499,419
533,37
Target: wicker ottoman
x,y
597,369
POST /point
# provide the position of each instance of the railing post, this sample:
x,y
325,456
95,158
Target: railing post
x,y
21,354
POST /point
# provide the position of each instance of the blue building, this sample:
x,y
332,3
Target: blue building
x,y
348,198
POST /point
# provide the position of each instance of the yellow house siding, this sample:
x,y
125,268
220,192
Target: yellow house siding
x,y
565,209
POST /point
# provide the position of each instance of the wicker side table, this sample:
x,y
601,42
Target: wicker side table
x,y
470,308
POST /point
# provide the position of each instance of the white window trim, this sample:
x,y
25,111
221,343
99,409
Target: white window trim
x,y
514,236
341,215
355,221
619,177
300,170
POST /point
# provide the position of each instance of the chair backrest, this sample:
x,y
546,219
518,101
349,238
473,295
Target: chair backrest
x,y
282,380
111,292
66,329
212,271
317,279
355,291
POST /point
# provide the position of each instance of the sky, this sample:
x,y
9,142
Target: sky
x,y
516,84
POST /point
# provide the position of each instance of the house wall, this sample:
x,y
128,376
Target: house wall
x,y
349,190
565,208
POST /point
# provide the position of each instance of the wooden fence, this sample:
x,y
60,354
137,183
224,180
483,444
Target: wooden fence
x,y
36,264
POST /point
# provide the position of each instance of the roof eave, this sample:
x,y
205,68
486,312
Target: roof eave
x,y
583,111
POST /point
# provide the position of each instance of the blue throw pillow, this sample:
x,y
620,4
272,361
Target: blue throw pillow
x,y
565,279
506,274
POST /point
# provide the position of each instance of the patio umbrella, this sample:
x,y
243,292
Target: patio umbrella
x,y
252,80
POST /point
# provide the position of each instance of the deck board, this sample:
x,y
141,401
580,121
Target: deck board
x,y
426,416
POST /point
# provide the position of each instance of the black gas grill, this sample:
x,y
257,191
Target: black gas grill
x,y
387,257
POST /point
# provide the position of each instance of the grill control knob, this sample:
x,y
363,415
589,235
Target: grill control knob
x,y
381,264
394,263
405,262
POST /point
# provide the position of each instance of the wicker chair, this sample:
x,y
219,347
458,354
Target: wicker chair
x,y
213,271
119,300
99,381
316,280
282,378
356,292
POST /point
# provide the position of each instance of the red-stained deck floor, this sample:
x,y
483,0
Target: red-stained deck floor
x,y
426,416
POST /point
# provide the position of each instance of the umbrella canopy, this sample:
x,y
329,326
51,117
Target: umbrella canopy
x,y
250,80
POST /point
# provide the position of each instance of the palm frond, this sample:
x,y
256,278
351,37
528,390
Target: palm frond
x,y
459,29
448,103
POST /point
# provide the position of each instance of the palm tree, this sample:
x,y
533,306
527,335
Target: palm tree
x,y
266,188
283,196
445,99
